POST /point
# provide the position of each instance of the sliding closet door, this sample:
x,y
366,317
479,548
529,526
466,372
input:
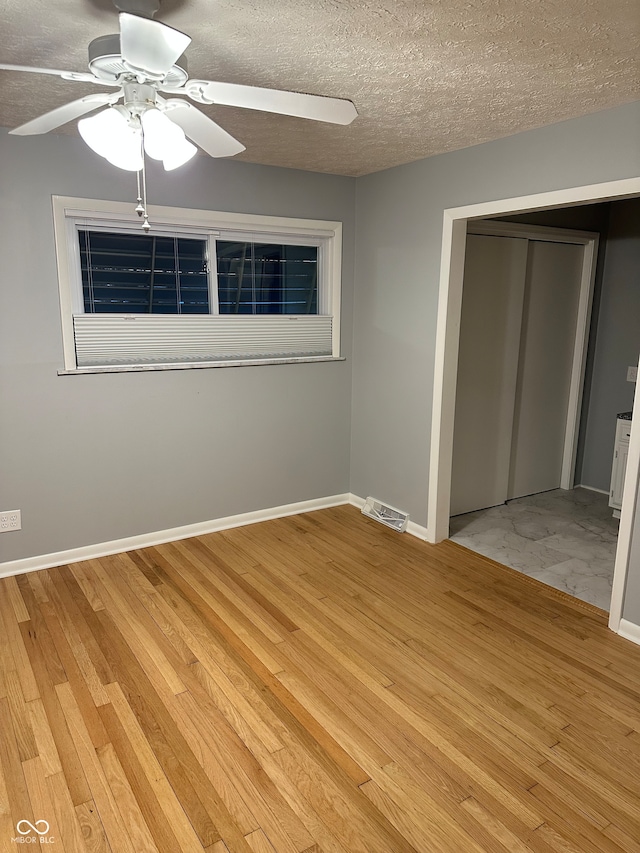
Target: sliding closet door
x,y
494,278
552,295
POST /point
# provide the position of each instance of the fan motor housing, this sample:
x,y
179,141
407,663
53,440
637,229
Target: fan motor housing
x,y
105,61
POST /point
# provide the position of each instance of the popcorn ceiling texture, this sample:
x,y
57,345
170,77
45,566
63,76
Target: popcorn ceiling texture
x,y
426,77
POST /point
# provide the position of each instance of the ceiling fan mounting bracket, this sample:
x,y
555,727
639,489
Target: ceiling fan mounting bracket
x,y
144,8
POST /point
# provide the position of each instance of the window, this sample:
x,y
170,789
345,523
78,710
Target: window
x,y
263,278
202,288
142,274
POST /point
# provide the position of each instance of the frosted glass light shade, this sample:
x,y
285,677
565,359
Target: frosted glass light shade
x,y
108,134
179,155
164,140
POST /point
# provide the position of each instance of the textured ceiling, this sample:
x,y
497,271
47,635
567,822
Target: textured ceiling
x,y
426,77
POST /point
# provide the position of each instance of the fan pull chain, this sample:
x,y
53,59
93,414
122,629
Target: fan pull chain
x,y
146,227
141,208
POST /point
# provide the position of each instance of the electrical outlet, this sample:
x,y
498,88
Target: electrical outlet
x,y
10,520
632,374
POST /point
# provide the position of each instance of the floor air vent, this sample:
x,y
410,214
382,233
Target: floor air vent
x,y
385,514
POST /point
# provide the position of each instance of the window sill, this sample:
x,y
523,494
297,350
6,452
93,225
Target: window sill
x,y
145,368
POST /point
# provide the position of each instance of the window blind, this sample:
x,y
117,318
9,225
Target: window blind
x,y
102,340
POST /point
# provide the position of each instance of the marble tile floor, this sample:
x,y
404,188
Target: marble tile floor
x,y
566,539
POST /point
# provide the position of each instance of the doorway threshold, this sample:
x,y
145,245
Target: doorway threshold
x,y
566,539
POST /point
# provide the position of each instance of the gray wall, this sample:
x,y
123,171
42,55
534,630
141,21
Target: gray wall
x,y
398,238
617,342
91,458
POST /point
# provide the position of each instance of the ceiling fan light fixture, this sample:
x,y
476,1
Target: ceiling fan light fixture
x,y
164,140
110,135
179,156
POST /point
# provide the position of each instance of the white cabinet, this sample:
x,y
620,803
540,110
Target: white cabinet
x,y
620,455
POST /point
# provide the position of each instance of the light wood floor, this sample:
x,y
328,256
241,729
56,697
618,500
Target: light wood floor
x,y
315,683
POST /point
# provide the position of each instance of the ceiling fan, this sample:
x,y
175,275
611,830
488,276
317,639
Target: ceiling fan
x,y
146,66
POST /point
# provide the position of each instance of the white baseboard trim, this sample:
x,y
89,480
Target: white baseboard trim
x,y
418,531
160,537
412,528
630,631
592,489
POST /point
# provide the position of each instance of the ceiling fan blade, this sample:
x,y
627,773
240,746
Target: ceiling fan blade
x,y
200,129
150,46
82,76
67,112
315,107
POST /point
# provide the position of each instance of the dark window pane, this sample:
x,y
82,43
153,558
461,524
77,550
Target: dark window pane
x,y
266,278
143,274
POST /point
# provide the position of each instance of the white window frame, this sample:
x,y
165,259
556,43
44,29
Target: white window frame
x,y
71,214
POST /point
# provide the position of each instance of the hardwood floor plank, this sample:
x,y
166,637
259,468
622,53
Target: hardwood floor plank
x,y
68,821
225,585
76,678
614,757
251,726
40,796
259,842
573,824
79,614
12,590
314,684
37,584
7,826
320,624
281,703
404,819
169,746
83,577
236,621
625,842
413,739
102,794
149,786
153,659
18,800
142,591
501,838
37,628
130,813
143,561
362,830
132,739
92,829
273,814
229,789
73,640
18,710
583,797
65,748
358,744
14,647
